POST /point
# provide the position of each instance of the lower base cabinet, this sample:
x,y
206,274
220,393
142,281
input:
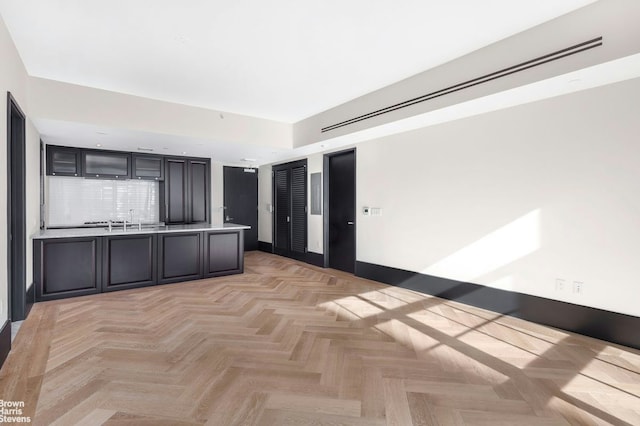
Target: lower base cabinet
x,y
68,267
129,261
223,253
180,257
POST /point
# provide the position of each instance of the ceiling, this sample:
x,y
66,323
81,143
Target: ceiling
x,y
280,59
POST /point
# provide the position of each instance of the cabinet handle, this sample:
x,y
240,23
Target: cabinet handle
x,y
349,223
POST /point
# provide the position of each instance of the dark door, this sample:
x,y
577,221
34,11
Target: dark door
x,y
16,222
290,209
342,209
241,202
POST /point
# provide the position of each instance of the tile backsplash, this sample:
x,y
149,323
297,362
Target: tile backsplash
x,y
73,201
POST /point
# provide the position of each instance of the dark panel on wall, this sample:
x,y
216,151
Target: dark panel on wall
x,y
600,324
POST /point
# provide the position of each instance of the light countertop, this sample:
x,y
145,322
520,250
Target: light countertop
x,y
132,230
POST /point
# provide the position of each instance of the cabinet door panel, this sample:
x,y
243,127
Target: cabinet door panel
x,y
106,164
224,253
180,257
199,195
175,184
67,267
63,161
129,261
148,167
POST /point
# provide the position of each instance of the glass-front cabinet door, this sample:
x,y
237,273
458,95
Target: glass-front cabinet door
x,y
101,164
149,167
63,161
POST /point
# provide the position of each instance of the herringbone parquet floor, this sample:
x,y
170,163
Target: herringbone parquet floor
x,y
290,344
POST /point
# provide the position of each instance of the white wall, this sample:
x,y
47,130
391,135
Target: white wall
x,y
117,110
265,217
314,222
13,78
217,193
515,199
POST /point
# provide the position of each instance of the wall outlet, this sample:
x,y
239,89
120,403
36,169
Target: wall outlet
x,y
560,284
578,287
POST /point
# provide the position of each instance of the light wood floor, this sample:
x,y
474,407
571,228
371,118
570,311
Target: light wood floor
x,y
290,344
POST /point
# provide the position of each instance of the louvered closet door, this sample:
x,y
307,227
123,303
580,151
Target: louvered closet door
x,y
298,209
290,209
281,210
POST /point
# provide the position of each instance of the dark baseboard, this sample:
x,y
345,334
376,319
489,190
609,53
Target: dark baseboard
x,y
315,259
266,247
5,341
31,299
600,324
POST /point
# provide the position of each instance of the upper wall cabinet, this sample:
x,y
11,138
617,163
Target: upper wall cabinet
x,y
187,193
149,167
106,164
63,161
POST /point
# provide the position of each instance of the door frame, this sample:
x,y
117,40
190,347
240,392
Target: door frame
x,y
16,226
326,200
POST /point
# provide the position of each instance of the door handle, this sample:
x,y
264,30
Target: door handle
x,y
288,219
349,223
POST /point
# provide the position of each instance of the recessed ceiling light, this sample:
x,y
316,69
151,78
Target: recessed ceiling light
x,y
248,159
98,144
184,152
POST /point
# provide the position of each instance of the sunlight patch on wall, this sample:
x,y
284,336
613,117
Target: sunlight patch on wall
x,y
495,250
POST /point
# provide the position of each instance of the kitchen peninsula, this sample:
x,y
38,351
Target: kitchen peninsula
x,y
81,261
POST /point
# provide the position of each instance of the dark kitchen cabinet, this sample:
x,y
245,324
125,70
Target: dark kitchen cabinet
x,y
149,167
223,253
63,161
106,164
179,257
66,267
129,261
187,190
